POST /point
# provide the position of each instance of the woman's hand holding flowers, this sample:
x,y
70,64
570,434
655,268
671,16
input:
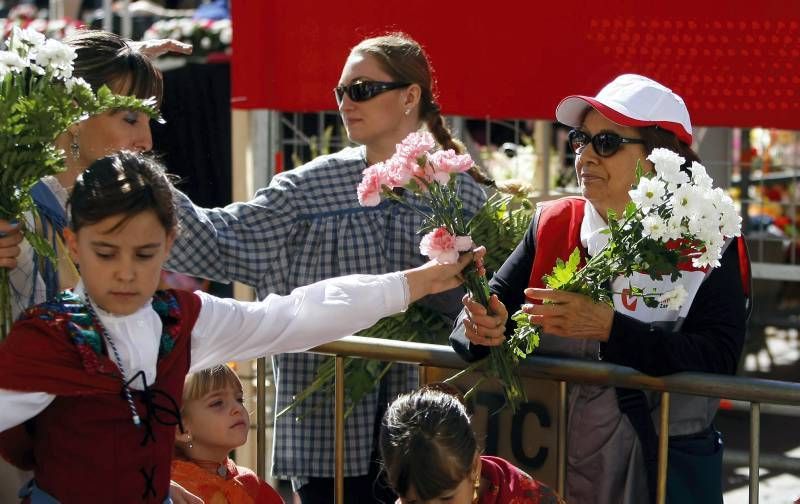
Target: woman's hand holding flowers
x,y
569,314
482,327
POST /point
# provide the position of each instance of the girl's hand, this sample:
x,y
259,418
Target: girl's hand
x,y
482,328
10,237
180,495
434,277
569,314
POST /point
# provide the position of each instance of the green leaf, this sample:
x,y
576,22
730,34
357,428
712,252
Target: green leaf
x,y
630,210
40,245
500,225
563,272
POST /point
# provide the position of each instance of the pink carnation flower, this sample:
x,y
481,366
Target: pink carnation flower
x,y
416,145
370,187
447,162
439,244
397,171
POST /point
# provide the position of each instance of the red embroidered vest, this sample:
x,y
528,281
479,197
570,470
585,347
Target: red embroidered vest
x,y
557,228
85,446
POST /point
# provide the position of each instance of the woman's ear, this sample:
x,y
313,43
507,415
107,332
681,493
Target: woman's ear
x,y
71,239
412,96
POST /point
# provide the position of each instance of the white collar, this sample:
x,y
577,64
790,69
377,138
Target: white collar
x,y
137,337
592,237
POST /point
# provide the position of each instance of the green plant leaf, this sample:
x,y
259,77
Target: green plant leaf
x,y
563,272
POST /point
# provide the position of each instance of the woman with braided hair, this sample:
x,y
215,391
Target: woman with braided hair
x,y
307,225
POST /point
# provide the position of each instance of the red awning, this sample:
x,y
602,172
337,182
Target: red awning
x,y
736,63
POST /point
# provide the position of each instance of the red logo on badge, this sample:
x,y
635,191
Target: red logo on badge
x,y
627,301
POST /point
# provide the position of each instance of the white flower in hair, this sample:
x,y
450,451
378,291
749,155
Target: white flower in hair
x,y
22,40
56,57
76,81
11,62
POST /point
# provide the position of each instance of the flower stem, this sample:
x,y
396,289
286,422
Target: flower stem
x,y
6,317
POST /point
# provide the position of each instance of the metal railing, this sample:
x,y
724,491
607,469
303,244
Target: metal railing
x,y
563,370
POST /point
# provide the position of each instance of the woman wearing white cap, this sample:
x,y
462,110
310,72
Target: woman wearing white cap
x,y
611,438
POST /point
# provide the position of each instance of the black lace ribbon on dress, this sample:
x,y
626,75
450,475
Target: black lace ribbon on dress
x,y
159,407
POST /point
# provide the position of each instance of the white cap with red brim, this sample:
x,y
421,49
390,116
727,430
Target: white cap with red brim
x,y
631,100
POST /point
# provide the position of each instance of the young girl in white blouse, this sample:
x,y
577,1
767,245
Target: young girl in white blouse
x,y
91,381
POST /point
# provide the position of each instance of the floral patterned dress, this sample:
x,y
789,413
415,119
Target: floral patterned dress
x,y
510,485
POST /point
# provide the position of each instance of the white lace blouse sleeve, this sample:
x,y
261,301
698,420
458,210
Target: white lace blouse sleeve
x,y
231,330
17,407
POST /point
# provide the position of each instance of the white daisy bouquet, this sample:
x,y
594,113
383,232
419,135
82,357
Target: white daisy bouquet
x,y
39,99
675,219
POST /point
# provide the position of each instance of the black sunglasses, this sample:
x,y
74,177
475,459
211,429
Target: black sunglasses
x,y
605,144
360,91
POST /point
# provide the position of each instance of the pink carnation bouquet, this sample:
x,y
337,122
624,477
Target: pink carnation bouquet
x,y
431,177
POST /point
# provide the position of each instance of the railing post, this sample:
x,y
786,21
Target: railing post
x,y
663,449
339,429
755,428
561,481
261,418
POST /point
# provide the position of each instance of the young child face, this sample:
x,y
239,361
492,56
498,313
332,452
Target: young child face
x,y
121,267
218,420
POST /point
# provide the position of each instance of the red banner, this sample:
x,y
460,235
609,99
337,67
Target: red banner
x,y
736,63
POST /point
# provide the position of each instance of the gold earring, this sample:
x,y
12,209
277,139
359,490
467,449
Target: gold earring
x,y
477,486
75,149
408,111
190,441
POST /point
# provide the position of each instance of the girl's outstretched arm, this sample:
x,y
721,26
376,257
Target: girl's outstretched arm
x,y
227,329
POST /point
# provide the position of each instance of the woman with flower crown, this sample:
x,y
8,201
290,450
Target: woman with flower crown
x,y
308,225
91,380
611,438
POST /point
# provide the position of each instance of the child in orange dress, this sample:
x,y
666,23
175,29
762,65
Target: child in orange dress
x,y
216,422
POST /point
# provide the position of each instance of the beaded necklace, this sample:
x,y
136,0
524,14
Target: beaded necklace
x,y
137,421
